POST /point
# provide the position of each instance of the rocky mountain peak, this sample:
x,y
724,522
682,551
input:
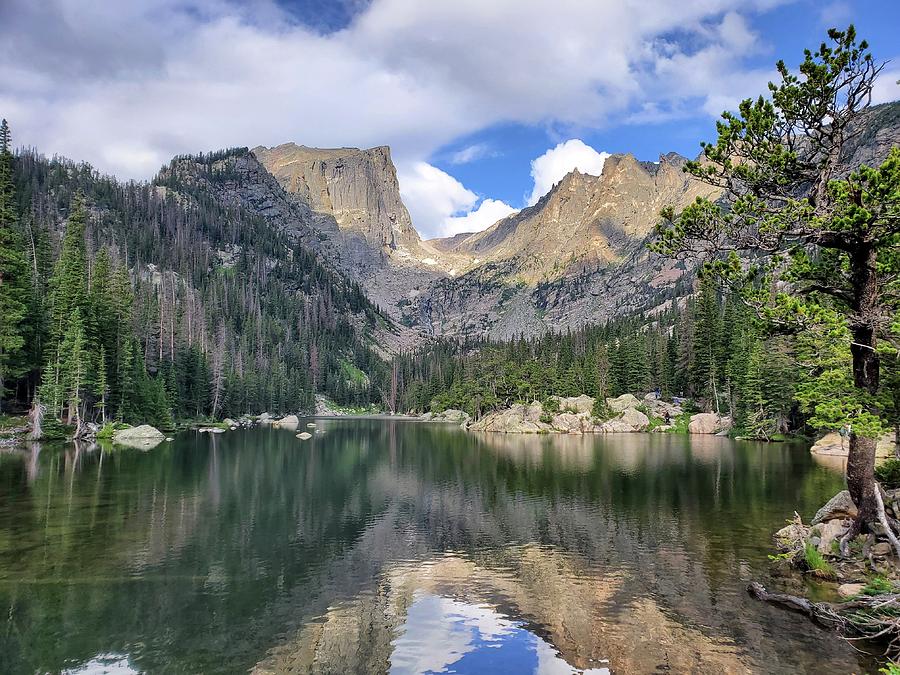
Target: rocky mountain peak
x,y
358,188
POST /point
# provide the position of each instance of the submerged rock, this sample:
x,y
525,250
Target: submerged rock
x,y
304,436
850,590
143,437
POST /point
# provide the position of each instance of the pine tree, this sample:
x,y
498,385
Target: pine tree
x,y
14,274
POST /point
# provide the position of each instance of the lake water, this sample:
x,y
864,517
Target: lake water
x,y
403,547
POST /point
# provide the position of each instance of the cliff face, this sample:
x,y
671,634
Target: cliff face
x,y
358,188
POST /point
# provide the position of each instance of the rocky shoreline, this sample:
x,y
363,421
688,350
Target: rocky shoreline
x,y
582,415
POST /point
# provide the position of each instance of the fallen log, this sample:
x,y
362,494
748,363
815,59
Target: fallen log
x,y
870,617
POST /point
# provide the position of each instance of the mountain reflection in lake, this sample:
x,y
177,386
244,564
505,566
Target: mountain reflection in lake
x,y
393,546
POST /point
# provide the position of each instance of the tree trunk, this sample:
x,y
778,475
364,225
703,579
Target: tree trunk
x,y
861,458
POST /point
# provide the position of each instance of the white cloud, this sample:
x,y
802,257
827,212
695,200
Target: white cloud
x,y
441,206
126,85
470,153
887,88
549,168
432,196
487,213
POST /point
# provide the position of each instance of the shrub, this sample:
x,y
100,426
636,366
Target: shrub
x,y
551,405
600,411
888,473
546,418
110,428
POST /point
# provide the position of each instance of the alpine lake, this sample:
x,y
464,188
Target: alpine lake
x,y
389,545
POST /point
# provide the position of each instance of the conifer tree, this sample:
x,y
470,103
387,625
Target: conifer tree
x,y
780,164
14,284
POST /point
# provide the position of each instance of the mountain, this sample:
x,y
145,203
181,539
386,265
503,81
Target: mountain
x,y
232,314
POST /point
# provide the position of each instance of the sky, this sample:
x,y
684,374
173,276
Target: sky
x,y
484,103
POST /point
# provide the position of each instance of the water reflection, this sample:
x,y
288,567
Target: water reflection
x,y
255,550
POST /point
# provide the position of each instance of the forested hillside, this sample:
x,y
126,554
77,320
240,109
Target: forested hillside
x,y
712,350
148,302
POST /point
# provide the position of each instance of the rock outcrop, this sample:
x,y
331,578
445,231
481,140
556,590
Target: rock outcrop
x,y
709,423
574,417
143,437
833,444
288,422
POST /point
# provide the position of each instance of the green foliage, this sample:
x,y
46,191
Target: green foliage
x,y
891,668
888,473
878,585
107,430
816,564
550,405
14,274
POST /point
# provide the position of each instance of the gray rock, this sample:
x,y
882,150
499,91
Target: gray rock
x,y
881,550
839,506
304,436
143,437
637,420
828,532
289,422
622,403
850,590
708,423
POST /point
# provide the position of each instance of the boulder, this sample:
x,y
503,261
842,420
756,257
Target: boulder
x,y
635,419
708,423
143,437
616,427
311,425
230,423
452,415
211,430
580,404
265,418
517,419
850,590
623,402
570,423
828,532
833,444
881,550
839,506
304,436
791,536
289,422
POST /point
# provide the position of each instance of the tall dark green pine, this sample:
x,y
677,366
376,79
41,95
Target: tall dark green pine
x,y
14,278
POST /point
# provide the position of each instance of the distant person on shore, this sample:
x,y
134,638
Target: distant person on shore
x,y
844,433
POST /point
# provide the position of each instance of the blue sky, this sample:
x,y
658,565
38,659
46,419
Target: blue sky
x,y
484,104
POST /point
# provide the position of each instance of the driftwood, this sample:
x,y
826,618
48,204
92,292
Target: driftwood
x,y
870,617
